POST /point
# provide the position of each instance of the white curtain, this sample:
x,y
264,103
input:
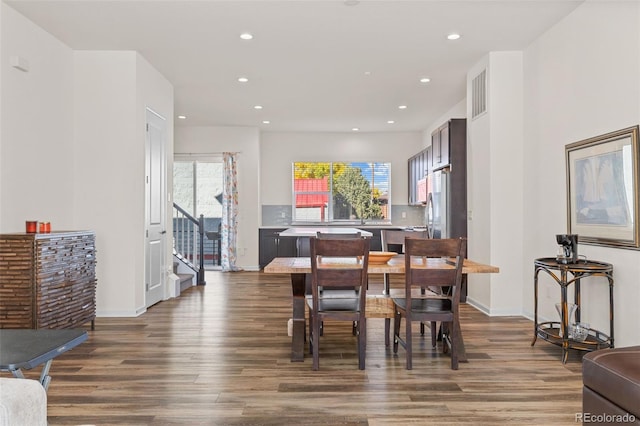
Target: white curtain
x,y
229,226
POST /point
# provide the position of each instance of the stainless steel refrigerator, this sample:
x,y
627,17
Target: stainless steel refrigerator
x,y
437,208
446,198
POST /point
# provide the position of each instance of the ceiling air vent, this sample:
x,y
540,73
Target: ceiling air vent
x,y
479,94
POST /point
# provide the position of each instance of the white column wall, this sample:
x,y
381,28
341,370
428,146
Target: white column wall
x,y
110,169
112,89
505,115
246,141
479,197
495,198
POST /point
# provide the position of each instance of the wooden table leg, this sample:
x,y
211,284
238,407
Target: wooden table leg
x,y
299,324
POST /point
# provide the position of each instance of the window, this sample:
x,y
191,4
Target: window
x,y
333,192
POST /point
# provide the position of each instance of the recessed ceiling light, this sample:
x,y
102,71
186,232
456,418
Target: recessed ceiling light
x,y
182,117
425,80
246,36
243,79
266,122
453,36
257,107
390,122
356,129
402,107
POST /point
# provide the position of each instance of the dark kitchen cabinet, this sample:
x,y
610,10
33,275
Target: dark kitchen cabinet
x,y
271,245
418,167
450,137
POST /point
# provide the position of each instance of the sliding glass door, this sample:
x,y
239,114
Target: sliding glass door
x,y
197,189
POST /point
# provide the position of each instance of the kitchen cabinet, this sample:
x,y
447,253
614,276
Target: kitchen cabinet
x,y
47,280
451,136
418,167
271,245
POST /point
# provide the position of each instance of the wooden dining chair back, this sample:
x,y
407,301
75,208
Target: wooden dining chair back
x,y
445,258
339,263
393,240
328,291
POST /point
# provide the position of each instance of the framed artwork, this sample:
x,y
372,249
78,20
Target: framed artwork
x,y
602,189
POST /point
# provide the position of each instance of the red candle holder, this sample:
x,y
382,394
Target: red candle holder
x,y
45,227
32,226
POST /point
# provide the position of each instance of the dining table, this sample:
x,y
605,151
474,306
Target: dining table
x,y
381,304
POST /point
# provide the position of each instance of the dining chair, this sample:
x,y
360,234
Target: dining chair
x,y
340,264
446,273
393,240
332,291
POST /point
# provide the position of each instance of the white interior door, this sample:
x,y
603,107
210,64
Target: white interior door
x,y
155,208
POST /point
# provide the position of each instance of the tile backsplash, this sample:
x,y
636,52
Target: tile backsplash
x,y
280,215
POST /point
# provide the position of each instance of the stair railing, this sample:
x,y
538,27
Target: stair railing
x,y
188,240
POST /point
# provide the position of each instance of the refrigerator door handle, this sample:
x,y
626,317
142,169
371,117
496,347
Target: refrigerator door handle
x,y
429,216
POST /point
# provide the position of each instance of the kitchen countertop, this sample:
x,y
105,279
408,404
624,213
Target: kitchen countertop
x,y
349,225
307,231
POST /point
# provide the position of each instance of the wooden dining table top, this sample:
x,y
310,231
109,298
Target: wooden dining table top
x,y
302,265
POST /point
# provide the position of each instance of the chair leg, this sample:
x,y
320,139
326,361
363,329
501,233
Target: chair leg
x,y
408,344
316,344
387,328
454,348
434,333
310,332
446,338
362,342
396,331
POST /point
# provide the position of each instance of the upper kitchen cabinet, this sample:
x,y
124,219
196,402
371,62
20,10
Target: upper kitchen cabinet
x,y
418,167
453,132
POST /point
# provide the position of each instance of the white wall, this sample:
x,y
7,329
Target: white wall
x,y
109,199
245,141
280,150
495,203
112,90
36,138
582,79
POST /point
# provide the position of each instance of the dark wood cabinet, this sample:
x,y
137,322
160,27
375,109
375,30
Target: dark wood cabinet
x,y
440,145
452,137
418,167
47,280
271,245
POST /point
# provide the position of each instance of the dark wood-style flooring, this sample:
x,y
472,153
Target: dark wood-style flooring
x,y
219,355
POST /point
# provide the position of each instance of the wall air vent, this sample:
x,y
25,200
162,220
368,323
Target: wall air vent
x,y
479,94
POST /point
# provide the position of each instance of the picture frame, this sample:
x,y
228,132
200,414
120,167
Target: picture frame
x,y
602,189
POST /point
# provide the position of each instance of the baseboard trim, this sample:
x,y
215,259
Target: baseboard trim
x,y
509,312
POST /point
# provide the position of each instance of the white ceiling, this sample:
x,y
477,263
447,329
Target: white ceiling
x,y
308,60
